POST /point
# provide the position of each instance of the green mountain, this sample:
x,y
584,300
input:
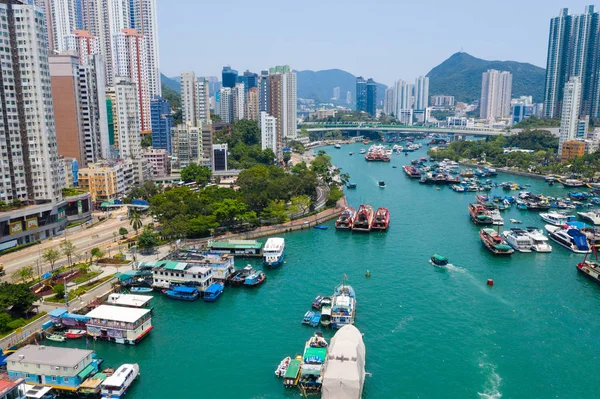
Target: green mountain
x,y
319,85
170,83
460,76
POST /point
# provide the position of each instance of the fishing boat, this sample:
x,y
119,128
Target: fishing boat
x,y
140,289
116,385
439,260
590,269
412,172
515,221
316,304
274,252
255,279
351,186
494,242
363,219
292,374
593,216
183,293
344,221
313,359
283,366
381,221
479,214
308,317
213,292
539,240
315,319
56,337
557,218
320,227
344,373
326,311
343,306
239,278
74,334
569,237
381,184
571,183
518,239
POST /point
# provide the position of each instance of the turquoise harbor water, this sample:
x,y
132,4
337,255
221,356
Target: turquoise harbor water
x,y
429,333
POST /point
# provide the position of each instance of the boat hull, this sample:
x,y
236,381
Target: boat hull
x,y
568,246
275,263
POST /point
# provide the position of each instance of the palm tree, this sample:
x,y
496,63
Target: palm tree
x,y
135,221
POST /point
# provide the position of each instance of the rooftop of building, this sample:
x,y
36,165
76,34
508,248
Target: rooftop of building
x,y
118,313
49,355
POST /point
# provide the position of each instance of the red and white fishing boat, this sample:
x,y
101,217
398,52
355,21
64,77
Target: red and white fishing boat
x,y
381,221
344,222
363,219
74,334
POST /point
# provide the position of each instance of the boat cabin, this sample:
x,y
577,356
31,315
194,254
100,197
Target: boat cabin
x,y
135,301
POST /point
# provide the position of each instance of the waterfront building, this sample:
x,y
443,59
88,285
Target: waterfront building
x,y
60,368
496,91
263,91
219,157
167,274
238,100
241,248
187,145
159,160
572,52
129,300
162,123
268,132
126,119
84,45
143,18
583,126
361,94
195,98
442,101
10,389
570,112
122,325
131,61
229,77
220,262
422,93
251,112
29,163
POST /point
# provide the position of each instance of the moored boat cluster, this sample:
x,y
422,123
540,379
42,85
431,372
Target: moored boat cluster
x,y
363,220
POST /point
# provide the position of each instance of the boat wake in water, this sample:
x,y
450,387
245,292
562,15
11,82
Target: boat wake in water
x,y
473,280
493,382
402,323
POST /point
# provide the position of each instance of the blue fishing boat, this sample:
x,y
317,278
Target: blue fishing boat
x,y
315,319
140,289
308,317
183,293
213,292
255,279
320,227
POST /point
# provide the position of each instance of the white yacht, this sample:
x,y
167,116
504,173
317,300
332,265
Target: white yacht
x,y
274,252
557,218
362,151
572,239
117,384
591,216
497,219
540,241
518,239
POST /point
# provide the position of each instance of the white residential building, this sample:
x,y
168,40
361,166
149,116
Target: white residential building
x,y
130,60
569,120
167,274
422,93
63,22
268,132
496,91
127,118
84,45
195,98
238,100
29,167
187,144
402,102
226,105
144,20
283,100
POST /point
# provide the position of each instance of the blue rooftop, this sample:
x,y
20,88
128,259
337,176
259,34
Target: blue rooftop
x,y
58,312
214,288
184,289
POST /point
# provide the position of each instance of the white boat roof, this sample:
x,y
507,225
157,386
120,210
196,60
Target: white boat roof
x,y
274,243
136,301
118,313
342,301
344,374
36,391
119,377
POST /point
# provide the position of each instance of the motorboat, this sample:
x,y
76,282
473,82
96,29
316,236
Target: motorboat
x,y
239,278
213,292
74,334
308,317
557,218
344,221
283,366
593,217
439,260
255,279
326,311
497,219
316,304
116,385
320,227
518,239
515,221
343,306
540,241
363,219
590,269
56,337
494,242
569,237
337,146
351,186
140,289
274,252
381,184
183,293
381,220
362,151
313,360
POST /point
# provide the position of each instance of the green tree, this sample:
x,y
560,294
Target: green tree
x,y
123,232
201,226
5,319
51,255
97,253
59,291
147,240
84,268
135,220
146,141
68,248
276,211
196,173
19,296
301,202
229,211
287,156
23,274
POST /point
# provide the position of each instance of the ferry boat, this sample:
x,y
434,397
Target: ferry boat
x,y
381,220
326,312
74,334
343,306
593,216
344,221
590,269
571,183
363,219
557,218
313,360
479,214
412,172
494,242
116,385
274,252
539,240
255,279
183,293
570,238
213,292
439,260
239,278
518,239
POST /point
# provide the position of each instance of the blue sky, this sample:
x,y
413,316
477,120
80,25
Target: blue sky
x,y
385,39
